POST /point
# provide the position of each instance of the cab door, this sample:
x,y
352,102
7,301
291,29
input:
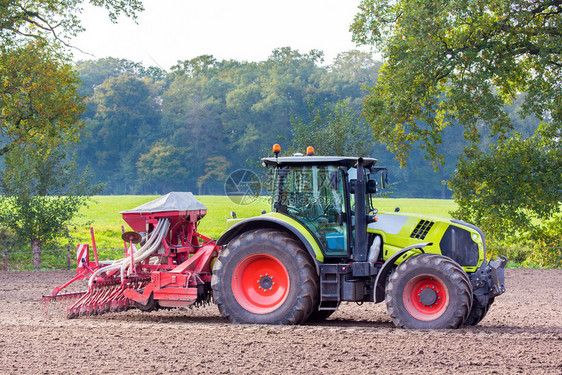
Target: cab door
x,y
314,195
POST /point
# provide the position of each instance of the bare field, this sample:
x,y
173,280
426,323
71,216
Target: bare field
x,y
522,333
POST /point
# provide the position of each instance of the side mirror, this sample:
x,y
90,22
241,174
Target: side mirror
x,y
371,187
352,184
384,176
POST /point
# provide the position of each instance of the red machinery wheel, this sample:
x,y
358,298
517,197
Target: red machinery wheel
x,y
260,283
426,297
265,276
428,291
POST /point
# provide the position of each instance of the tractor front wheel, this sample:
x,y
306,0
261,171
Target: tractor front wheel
x,y
478,312
428,291
265,276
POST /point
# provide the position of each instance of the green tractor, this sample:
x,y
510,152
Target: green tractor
x,y
323,243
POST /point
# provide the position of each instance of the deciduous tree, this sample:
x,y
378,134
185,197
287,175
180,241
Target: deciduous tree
x,y
163,168
54,19
458,61
39,101
38,88
121,124
41,193
40,112
332,129
512,190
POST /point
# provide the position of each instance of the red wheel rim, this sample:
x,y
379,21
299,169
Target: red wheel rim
x,y
260,283
426,297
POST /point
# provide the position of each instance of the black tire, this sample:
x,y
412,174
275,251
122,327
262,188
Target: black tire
x,y
320,315
445,293
466,279
286,294
478,312
150,306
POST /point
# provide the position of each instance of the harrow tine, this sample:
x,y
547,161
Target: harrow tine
x,y
107,303
57,304
103,299
92,304
99,304
80,308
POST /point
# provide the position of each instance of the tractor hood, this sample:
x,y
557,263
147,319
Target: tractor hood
x,y
456,239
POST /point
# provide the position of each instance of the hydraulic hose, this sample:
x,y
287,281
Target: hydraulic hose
x,y
145,251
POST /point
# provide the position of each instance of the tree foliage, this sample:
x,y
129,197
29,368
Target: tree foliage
x,y
38,87
54,19
121,123
215,170
458,61
41,193
40,113
38,97
161,167
332,129
499,189
203,111
95,72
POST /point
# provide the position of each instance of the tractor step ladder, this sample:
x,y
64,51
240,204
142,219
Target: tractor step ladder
x,y
329,286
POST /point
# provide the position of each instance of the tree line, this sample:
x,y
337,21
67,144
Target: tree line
x,y
147,131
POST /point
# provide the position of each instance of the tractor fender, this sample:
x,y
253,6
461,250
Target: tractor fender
x,y
276,221
380,281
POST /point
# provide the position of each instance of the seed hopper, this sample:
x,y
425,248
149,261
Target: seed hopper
x,y
166,262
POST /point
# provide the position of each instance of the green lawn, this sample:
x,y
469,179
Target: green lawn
x,y
103,214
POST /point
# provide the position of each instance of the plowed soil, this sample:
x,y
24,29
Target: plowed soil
x,y
522,333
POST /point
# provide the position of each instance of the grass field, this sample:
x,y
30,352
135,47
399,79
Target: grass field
x,y
103,214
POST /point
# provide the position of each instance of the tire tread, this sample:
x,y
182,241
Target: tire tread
x,y
307,297
445,265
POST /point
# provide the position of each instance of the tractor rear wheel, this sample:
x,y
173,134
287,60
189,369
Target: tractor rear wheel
x,y
478,312
428,291
265,276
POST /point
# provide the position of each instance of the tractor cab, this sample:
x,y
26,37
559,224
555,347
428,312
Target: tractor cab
x,y
319,192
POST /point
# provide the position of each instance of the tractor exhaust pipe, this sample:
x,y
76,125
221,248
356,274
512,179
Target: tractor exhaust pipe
x,y
360,248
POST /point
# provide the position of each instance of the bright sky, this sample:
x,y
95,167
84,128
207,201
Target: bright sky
x,y
243,30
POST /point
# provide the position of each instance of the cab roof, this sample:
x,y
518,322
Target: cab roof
x,y
346,161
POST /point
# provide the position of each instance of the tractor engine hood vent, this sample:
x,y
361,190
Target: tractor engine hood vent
x,y
421,230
